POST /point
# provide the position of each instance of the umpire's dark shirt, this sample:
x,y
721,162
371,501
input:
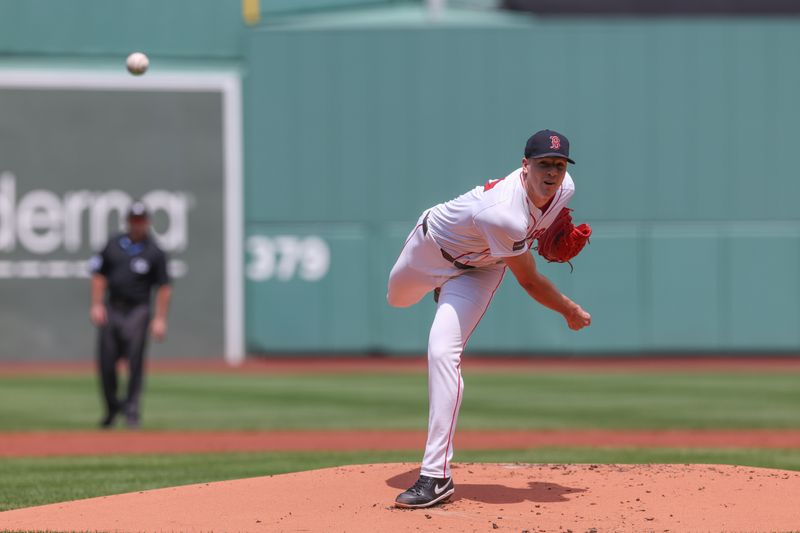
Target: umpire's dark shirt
x,y
132,269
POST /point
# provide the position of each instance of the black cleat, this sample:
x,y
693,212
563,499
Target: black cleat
x,y
131,417
132,422
427,491
108,421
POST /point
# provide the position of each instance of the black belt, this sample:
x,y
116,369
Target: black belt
x,y
124,304
447,256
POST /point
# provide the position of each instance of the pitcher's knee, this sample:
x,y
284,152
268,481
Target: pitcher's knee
x,y
396,298
401,291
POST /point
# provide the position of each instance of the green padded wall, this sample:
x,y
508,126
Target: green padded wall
x,y
682,130
357,120
184,29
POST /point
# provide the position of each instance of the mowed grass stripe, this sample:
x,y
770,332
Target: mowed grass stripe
x,y
399,401
26,482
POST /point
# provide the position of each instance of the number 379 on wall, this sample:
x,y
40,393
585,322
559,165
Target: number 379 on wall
x,y
285,257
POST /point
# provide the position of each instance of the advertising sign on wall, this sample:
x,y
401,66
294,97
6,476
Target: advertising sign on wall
x,y
75,151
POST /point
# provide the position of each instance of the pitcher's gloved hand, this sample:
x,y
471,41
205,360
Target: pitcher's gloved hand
x,y
563,240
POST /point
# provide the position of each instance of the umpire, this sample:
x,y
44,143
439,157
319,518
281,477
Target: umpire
x,y
123,276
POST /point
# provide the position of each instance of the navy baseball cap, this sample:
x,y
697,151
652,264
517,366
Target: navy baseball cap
x,y
138,209
547,143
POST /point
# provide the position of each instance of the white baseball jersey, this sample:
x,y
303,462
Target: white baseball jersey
x,y
494,220
478,228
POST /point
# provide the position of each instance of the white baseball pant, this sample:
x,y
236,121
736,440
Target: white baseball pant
x,y
465,296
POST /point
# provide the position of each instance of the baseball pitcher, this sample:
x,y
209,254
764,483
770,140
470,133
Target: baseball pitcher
x,y
460,250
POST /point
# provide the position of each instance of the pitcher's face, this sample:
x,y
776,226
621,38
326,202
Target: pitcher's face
x,y
543,177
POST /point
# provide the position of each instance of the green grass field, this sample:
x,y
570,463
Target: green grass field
x,y
399,401
524,400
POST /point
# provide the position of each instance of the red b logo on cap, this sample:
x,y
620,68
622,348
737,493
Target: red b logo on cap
x,y
555,142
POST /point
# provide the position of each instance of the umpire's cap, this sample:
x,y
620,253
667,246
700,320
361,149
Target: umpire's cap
x,y
547,143
138,210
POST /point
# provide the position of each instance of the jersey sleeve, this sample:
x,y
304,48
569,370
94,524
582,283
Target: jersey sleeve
x,y
504,238
160,273
100,263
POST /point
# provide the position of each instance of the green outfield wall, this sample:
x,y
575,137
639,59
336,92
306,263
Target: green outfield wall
x,y
356,119
82,138
683,131
185,29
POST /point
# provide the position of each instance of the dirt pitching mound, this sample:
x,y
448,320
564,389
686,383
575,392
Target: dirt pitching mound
x,y
511,497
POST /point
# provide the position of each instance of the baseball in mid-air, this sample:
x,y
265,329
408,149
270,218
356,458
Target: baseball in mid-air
x,y
137,63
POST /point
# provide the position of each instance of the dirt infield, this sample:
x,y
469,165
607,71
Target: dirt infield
x,y
488,497
40,444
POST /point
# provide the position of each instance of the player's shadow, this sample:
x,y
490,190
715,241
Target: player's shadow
x,y
538,492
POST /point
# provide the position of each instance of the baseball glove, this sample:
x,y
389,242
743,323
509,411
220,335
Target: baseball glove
x,y
563,240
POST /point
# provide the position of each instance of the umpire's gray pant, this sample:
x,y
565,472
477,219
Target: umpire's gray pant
x,y
124,335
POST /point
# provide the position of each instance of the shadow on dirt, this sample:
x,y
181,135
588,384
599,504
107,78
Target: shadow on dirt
x,y
538,492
